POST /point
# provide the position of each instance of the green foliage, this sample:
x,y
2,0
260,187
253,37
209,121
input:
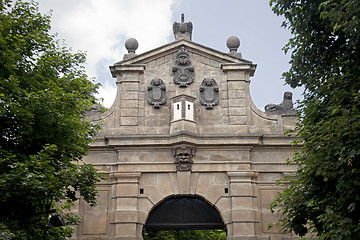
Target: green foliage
x,y
324,196
44,94
185,235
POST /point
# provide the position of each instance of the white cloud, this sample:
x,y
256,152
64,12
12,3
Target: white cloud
x,y
107,93
100,27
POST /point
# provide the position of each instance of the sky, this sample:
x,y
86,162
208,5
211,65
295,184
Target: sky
x,y
101,27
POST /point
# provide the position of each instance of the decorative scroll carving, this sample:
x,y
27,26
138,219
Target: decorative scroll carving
x,y
183,72
285,106
209,93
156,92
183,155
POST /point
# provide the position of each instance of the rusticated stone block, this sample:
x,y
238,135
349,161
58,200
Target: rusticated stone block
x,y
129,95
125,230
237,111
126,190
129,121
129,112
126,216
236,94
237,120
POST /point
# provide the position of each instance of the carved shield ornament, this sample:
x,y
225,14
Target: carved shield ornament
x,y
209,93
183,72
156,93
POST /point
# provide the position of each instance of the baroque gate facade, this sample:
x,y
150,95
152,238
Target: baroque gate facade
x,y
183,125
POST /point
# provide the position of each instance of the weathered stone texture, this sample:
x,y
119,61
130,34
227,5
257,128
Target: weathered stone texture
x,y
240,150
96,218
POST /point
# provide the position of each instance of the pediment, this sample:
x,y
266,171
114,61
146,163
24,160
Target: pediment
x,y
166,51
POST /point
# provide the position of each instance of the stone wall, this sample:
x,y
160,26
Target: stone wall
x,y
240,150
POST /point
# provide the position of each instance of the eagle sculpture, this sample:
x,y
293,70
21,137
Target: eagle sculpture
x,y
182,30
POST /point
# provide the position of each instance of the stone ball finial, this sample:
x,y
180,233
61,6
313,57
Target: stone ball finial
x,y
233,43
131,45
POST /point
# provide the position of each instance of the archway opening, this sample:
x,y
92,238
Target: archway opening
x,y
184,213
185,234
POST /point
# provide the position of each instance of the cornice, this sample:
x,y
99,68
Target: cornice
x,y
205,141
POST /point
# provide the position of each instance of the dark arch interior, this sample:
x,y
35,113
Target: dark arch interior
x,y
184,213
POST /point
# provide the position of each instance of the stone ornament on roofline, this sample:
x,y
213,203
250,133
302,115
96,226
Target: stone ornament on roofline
x,y
209,93
131,45
286,106
182,30
183,72
156,92
183,155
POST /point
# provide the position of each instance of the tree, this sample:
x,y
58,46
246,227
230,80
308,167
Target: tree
x,y
44,94
323,197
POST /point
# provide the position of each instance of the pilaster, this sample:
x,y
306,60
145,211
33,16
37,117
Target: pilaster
x,y
238,81
242,191
129,94
125,215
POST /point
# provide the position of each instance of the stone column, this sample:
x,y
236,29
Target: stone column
x,y
238,81
125,215
243,196
128,91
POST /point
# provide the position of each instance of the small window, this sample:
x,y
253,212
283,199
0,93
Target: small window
x,y
177,111
189,111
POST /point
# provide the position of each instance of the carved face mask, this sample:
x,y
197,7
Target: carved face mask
x,y
183,155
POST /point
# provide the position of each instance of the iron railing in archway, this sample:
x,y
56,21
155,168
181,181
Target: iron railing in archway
x,y
184,213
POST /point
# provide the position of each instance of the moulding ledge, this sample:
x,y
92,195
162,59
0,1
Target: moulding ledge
x,y
222,141
136,68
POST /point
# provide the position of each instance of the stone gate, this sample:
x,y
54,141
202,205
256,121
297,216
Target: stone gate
x,y
183,126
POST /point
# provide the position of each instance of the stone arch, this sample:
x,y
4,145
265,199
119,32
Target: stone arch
x,y
184,212
159,187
